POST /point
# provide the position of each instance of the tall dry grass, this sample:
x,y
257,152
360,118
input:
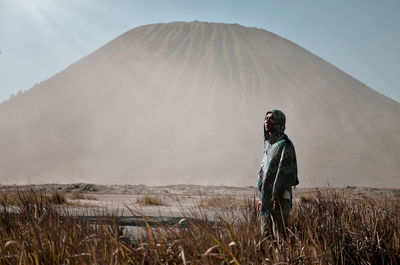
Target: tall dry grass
x,y
223,202
17,197
150,200
324,229
39,231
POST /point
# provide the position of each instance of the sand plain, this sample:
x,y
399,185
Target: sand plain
x,y
177,201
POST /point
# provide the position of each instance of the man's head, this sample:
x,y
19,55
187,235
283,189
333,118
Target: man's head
x,y
274,122
269,122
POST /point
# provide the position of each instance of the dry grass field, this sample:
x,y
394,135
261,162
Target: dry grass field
x,y
327,226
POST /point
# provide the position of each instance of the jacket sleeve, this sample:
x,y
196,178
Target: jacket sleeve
x,y
286,175
260,175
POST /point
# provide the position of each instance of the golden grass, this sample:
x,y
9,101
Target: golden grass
x,y
328,229
150,201
15,198
9,198
223,202
306,199
80,196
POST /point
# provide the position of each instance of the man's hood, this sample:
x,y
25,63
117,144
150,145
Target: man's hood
x,y
280,121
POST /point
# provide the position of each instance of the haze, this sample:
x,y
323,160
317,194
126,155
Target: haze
x,y
185,102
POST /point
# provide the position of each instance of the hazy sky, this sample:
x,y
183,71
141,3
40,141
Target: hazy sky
x,y
39,38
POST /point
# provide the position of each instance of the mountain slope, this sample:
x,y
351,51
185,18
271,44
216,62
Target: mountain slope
x,y
185,103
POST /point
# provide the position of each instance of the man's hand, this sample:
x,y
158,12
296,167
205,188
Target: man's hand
x,y
259,205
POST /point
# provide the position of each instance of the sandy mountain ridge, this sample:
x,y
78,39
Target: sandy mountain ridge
x,y
185,102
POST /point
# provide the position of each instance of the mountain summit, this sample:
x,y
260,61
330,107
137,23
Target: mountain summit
x,y
185,103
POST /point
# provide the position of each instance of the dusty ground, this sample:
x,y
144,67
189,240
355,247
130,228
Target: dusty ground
x,y
122,199
176,200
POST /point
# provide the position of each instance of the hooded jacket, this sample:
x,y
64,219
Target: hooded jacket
x,y
278,172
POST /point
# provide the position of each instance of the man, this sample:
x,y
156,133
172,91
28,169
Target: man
x,y
278,173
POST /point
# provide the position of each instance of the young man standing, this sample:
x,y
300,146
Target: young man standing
x,y
278,173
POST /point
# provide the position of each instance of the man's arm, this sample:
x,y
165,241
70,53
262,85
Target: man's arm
x,y
260,178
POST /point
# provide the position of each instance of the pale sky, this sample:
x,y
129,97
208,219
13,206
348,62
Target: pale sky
x,y
39,38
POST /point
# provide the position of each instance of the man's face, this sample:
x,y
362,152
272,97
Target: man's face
x,y
269,122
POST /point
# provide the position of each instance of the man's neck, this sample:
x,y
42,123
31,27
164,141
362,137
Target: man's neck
x,y
274,137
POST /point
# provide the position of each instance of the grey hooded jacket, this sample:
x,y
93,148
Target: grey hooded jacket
x,y
278,172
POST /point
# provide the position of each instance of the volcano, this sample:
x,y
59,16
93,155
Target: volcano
x,y
185,103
